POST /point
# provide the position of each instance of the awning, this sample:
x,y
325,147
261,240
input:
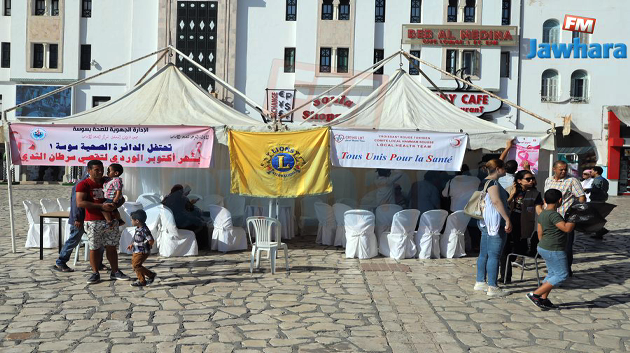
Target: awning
x,y
622,112
576,150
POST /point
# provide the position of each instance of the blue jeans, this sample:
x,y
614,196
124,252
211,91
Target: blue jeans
x,y
557,266
73,240
490,250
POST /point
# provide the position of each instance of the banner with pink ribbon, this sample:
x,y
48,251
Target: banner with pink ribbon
x,y
526,150
130,146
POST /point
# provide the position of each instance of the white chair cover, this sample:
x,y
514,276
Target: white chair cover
x,y
212,199
308,218
348,201
340,235
64,204
428,235
327,224
287,218
47,206
225,237
384,216
400,240
173,241
236,205
149,199
361,240
51,240
452,242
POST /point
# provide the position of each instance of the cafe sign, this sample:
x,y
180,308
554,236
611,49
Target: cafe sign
x,y
460,35
475,103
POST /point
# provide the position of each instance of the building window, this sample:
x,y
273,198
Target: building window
x,y
291,10
40,7
505,12
86,56
505,64
584,37
415,11
469,11
98,100
324,59
7,7
344,10
342,60
551,32
289,59
451,60
549,87
53,56
379,54
451,11
86,8
379,15
414,65
38,56
5,55
579,86
327,10
470,60
54,10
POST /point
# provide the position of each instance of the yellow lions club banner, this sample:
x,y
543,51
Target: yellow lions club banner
x,y
280,164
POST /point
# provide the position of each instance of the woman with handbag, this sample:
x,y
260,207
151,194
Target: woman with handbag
x,y
494,228
525,204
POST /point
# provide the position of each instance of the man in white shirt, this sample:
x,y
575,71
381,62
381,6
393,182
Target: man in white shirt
x,y
385,193
460,189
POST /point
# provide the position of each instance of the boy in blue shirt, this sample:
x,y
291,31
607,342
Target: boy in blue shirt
x,y
141,245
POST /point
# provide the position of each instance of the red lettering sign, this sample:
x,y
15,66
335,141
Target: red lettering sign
x,y
578,24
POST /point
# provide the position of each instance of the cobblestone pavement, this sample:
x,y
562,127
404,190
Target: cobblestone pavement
x,y
211,303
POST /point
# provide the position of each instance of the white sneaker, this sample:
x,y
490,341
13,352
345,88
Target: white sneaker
x,y
481,286
496,292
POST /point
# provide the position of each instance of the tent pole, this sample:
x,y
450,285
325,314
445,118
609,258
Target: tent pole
x,y
81,81
225,84
480,88
379,64
151,68
7,155
430,81
330,102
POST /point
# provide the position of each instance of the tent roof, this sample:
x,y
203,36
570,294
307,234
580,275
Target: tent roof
x,y
166,98
403,103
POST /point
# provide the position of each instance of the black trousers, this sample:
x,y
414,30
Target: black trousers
x,y
569,250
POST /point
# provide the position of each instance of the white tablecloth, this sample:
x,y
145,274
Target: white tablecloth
x,y
286,218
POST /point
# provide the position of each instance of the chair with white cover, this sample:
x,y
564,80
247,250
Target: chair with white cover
x,y
360,238
33,211
327,224
236,205
348,201
428,236
225,236
384,216
286,216
64,204
400,240
149,199
264,228
452,241
339,210
308,219
214,199
48,206
173,241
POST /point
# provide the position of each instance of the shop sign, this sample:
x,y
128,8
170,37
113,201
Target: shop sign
x,y
475,103
318,103
280,101
458,35
576,50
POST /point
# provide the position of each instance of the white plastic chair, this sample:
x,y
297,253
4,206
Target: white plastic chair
x,y
33,211
360,238
148,199
173,241
452,241
236,205
264,228
348,201
400,240
327,224
64,204
384,216
340,235
225,237
84,242
428,235
308,218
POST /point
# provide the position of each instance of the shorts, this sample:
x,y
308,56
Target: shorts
x,y
557,266
121,201
99,234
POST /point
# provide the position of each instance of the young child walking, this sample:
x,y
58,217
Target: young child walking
x,y
552,235
141,246
113,193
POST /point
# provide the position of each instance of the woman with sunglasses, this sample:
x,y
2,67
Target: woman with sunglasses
x,y
587,182
525,204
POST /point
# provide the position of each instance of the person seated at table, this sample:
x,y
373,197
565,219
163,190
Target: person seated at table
x,y
186,215
384,183
400,198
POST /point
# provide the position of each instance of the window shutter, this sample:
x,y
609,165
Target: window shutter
x,y
476,71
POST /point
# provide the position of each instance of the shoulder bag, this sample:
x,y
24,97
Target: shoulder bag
x,y
476,204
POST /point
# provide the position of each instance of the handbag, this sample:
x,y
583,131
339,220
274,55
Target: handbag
x,y
476,204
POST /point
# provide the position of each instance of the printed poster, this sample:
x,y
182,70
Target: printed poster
x,y
526,149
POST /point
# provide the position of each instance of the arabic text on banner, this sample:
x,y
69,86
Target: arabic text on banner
x,y
131,146
398,150
526,149
281,164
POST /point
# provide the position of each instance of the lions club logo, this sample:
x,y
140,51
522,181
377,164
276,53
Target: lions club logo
x,y
38,133
283,161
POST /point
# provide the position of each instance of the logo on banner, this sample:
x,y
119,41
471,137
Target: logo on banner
x,y
283,161
38,133
339,138
579,24
456,142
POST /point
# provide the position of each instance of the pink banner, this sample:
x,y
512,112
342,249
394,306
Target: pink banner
x,y
130,146
526,149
